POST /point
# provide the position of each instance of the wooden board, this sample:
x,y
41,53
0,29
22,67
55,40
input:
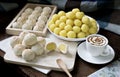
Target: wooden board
x,y
49,60
14,31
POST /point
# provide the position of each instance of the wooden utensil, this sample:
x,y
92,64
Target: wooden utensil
x,y
63,66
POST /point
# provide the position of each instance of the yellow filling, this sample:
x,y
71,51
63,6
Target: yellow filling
x,y
63,48
51,46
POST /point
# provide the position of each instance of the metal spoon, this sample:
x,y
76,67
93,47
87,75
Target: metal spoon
x,y
63,66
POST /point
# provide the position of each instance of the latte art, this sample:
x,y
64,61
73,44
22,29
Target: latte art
x,y
97,40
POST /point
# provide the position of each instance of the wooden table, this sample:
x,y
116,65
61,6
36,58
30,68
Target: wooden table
x,y
81,68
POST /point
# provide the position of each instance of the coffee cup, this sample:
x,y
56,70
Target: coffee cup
x,y
96,45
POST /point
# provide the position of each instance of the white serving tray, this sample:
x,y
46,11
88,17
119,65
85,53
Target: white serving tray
x,y
4,46
49,60
14,31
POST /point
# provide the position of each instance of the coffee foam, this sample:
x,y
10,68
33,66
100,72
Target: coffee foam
x,y
97,40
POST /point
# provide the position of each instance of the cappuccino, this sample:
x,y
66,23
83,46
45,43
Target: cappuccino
x,y
96,45
97,40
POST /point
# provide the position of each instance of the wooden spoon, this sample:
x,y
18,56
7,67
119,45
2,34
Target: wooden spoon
x,y
63,66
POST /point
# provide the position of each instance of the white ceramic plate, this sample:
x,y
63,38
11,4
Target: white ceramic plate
x,y
71,39
85,55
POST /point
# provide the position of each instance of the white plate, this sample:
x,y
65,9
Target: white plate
x,y
85,55
71,39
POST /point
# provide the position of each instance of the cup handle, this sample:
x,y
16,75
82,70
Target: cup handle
x,y
106,52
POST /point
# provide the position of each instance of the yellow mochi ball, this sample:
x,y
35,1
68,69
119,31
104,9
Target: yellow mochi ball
x,y
62,25
85,20
63,33
69,22
70,15
76,29
68,28
79,15
57,30
71,34
63,18
57,22
77,22
81,35
55,17
84,28
92,30
75,10
50,22
52,26
61,13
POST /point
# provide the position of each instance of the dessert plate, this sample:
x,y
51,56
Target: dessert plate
x,y
85,55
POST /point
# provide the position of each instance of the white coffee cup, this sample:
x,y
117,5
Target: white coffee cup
x,y
96,45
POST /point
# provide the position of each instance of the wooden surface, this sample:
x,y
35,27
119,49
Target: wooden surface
x,y
81,68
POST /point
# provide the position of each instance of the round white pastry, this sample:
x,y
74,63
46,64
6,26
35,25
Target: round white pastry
x,y
38,8
30,39
31,22
27,26
33,17
37,28
42,17
28,55
28,11
47,9
37,49
41,40
17,25
25,15
40,23
21,19
45,14
18,49
22,34
26,46
36,13
15,40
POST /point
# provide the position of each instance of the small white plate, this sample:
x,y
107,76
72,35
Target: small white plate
x,y
85,55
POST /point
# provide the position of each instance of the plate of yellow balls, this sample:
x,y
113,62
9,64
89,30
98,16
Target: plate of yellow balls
x,y
73,25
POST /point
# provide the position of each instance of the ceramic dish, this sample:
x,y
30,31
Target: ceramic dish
x,y
85,55
71,39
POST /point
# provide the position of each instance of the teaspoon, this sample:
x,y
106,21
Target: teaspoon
x,y
63,66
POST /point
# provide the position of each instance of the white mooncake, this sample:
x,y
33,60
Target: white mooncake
x,y
30,39
28,55
18,49
37,49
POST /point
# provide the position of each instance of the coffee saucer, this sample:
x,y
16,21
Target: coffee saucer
x,y
85,55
